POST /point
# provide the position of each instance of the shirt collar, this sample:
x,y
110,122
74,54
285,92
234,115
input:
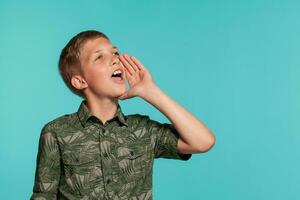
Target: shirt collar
x,y
84,114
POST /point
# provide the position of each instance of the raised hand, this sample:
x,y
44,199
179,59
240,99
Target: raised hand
x,y
139,78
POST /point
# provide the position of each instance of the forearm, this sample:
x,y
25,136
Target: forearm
x,y
192,131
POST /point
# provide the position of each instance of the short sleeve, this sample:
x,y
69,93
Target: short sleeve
x,y
165,137
47,174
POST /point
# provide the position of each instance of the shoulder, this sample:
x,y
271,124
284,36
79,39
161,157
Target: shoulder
x,y
140,120
57,123
135,119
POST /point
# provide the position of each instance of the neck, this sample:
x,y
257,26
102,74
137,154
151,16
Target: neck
x,y
104,109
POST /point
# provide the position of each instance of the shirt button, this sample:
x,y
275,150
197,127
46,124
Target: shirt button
x,y
108,181
105,132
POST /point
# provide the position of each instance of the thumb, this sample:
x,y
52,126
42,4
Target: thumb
x,y
123,96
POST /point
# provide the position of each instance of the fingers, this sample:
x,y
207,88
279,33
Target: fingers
x,y
126,71
127,65
132,63
138,63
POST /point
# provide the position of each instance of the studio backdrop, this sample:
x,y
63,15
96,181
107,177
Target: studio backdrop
x,y
233,64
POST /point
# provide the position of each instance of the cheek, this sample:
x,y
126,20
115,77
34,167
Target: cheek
x,y
98,76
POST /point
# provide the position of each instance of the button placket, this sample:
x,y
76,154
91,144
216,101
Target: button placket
x,y
105,159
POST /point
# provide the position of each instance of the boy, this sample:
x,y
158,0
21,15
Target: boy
x,y
98,152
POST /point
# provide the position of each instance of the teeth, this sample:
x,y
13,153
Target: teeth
x,y
117,72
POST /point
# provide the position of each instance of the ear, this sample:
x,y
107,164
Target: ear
x,y
78,82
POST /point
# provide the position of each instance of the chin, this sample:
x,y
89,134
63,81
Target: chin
x,y
120,92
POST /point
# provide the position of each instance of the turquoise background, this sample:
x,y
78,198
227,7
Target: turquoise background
x,y
233,64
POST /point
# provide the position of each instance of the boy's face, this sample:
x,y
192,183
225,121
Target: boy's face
x,y
100,58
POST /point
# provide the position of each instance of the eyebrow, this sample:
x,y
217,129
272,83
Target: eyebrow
x,y
114,47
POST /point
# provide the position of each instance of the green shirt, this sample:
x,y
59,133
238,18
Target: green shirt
x,y
79,157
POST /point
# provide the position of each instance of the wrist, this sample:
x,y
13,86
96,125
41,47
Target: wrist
x,y
151,93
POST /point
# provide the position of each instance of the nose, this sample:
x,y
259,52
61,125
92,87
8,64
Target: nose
x,y
116,60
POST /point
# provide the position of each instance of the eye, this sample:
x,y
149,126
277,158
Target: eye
x,y
117,53
100,56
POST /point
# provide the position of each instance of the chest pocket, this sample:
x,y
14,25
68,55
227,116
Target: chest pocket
x,y
132,162
81,171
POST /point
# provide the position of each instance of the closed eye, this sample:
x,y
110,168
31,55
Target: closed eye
x,y
98,57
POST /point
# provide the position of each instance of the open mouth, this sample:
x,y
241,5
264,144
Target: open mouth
x,y
117,75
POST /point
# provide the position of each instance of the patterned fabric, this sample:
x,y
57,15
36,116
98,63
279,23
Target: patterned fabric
x,y
79,157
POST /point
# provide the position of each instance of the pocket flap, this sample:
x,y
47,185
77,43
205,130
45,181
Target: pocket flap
x,y
77,159
135,153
